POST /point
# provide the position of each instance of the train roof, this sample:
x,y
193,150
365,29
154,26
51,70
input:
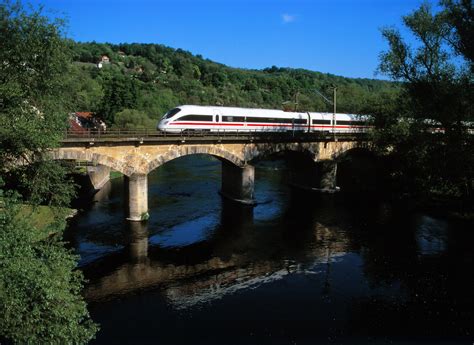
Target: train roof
x,y
221,108
255,111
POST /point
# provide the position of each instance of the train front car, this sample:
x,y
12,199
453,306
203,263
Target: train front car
x,y
166,121
189,118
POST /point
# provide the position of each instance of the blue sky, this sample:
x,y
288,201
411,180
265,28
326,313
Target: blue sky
x,y
332,36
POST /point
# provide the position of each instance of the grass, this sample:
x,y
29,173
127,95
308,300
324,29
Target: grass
x,y
43,218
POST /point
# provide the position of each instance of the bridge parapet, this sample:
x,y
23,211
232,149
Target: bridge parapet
x,y
153,136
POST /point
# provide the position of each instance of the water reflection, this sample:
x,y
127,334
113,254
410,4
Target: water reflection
x,y
296,268
238,259
138,245
431,235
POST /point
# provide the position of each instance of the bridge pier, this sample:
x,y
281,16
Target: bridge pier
x,y
137,197
327,175
99,175
320,177
238,183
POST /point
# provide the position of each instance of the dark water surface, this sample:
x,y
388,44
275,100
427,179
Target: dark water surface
x,y
297,269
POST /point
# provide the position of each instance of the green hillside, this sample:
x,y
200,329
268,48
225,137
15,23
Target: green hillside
x,y
143,81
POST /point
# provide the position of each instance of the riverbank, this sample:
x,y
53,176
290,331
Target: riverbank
x,y
44,218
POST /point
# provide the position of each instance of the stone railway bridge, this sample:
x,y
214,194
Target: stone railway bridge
x,y
136,154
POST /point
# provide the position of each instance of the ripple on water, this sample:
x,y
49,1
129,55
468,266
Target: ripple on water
x,y
90,251
186,233
431,235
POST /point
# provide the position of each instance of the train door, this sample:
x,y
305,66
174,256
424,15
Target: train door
x,y
217,125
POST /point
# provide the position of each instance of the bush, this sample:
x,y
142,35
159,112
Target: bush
x,y
40,299
133,119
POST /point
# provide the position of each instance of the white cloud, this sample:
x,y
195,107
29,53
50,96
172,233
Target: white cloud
x,y
288,18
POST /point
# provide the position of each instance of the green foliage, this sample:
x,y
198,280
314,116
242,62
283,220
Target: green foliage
x,y
45,183
33,110
43,218
40,299
34,61
119,93
40,288
437,92
160,78
133,119
155,103
92,52
84,92
460,17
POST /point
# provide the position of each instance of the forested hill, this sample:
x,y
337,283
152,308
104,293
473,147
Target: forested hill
x,y
142,81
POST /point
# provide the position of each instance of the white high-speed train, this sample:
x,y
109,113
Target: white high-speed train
x,y
201,118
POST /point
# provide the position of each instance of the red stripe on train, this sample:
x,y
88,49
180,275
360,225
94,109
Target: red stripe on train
x,y
262,125
206,124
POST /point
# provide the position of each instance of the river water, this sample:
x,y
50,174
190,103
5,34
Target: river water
x,y
296,269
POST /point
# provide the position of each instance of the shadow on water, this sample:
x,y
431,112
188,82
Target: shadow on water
x,y
297,268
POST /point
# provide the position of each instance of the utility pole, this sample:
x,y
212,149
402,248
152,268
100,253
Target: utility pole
x,y
296,100
334,113
334,103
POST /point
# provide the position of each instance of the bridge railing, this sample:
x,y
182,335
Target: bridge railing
x,y
151,134
111,133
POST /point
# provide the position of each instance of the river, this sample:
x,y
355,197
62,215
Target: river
x,y
295,269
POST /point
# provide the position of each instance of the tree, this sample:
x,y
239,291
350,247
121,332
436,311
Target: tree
x,y
134,119
85,91
40,288
40,299
34,59
460,16
437,92
120,92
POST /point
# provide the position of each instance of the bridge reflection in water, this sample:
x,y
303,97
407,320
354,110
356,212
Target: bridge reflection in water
x,y
290,270
234,259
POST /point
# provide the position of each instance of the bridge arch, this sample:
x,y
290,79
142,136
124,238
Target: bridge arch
x,y
181,151
360,170
97,158
355,151
254,152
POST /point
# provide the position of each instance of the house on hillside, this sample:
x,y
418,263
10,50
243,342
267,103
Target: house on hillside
x,y
104,59
82,121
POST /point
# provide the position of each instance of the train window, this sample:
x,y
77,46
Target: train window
x,y
196,118
171,113
233,118
321,122
280,120
255,119
268,120
350,122
300,121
